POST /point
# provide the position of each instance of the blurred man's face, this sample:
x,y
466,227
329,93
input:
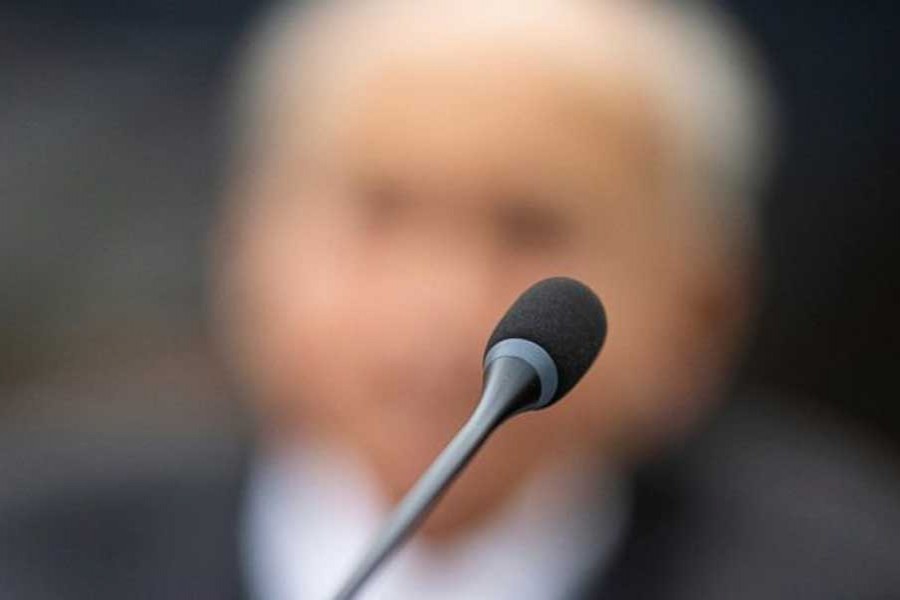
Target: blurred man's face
x,y
380,243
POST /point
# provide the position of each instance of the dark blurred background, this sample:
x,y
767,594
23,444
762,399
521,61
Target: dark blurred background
x,y
110,163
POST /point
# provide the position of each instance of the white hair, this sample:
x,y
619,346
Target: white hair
x,y
695,61
721,104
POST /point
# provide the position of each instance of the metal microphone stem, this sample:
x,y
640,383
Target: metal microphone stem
x,y
511,385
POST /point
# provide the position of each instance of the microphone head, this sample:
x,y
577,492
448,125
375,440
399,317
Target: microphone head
x,y
565,318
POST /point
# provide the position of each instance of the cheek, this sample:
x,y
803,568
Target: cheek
x,y
641,382
305,310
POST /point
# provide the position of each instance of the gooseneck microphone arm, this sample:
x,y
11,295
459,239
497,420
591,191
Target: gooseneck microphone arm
x,y
541,347
511,385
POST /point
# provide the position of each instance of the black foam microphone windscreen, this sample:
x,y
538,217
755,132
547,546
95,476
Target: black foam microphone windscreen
x,y
565,318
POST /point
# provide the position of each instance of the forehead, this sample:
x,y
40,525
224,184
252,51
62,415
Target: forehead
x,y
480,113
549,95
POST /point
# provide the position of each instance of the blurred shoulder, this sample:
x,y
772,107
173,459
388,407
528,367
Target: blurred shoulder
x,y
800,463
95,513
780,503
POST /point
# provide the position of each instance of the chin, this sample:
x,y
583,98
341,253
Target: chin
x,y
398,457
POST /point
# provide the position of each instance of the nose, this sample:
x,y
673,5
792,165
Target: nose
x,y
451,289
441,298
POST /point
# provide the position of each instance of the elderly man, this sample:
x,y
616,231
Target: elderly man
x,y
404,170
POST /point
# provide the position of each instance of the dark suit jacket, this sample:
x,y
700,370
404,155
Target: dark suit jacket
x,y
760,505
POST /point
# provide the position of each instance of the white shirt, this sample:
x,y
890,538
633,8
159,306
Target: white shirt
x,y
311,513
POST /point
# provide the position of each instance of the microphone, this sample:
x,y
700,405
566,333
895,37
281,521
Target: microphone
x,y
539,350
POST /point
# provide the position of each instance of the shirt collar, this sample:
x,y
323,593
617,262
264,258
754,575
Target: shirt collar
x,y
311,511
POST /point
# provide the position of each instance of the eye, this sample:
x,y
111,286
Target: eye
x,y
529,227
382,203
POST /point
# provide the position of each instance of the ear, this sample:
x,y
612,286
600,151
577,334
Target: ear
x,y
223,248
227,271
725,302
231,240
